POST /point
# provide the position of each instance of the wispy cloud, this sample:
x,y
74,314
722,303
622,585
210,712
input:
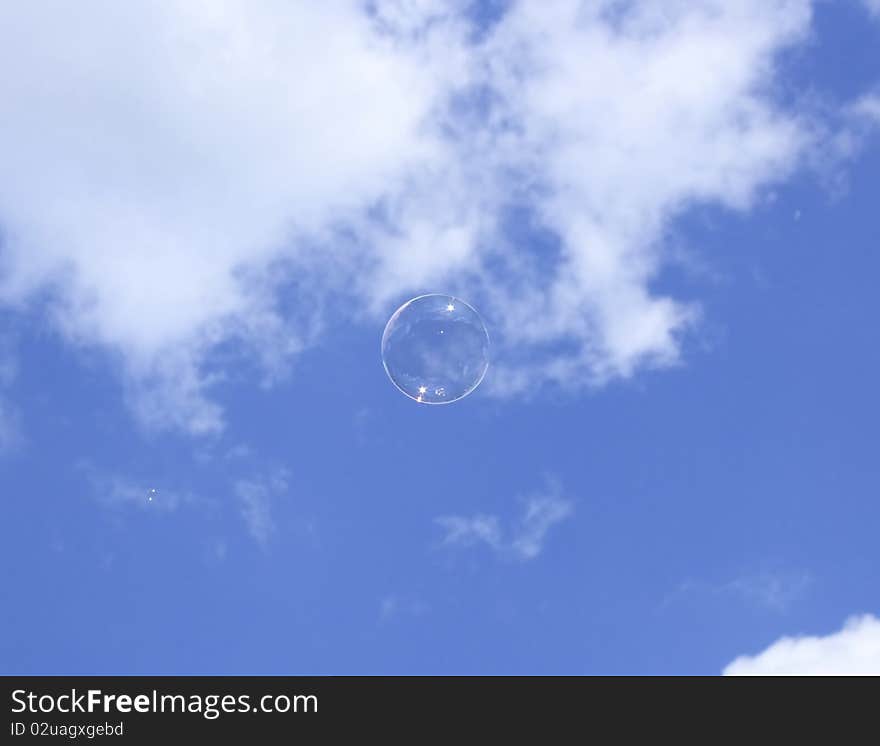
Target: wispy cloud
x,y
10,427
255,496
771,590
477,529
853,650
10,432
541,514
526,537
124,491
868,107
394,606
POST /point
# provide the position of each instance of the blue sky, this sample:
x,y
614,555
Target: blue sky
x,y
672,462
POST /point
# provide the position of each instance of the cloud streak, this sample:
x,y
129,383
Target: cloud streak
x,y
526,538
255,498
776,591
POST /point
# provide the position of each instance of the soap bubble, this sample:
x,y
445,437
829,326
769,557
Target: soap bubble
x,y
435,349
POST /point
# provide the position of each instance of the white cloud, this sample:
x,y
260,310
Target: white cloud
x,y
255,498
622,117
526,537
873,7
854,650
173,168
158,159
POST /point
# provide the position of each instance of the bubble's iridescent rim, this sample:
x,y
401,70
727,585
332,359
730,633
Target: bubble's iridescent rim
x,y
394,317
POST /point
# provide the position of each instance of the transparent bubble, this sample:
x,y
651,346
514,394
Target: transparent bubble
x,y
435,349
